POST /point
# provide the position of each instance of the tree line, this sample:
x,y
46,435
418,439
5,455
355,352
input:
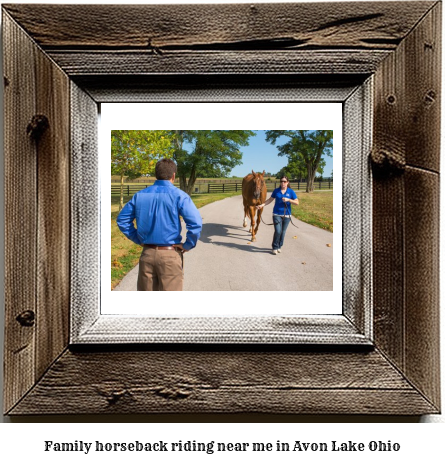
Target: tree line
x,y
214,153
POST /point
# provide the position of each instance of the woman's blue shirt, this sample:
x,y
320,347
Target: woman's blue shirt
x,y
280,208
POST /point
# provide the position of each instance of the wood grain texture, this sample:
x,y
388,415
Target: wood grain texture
x,y
356,222
39,281
388,268
423,92
218,87
20,213
225,39
406,205
421,211
222,382
53,228
275,26
112,329
389,157
399,42
121,63
407,113
85,211
422,364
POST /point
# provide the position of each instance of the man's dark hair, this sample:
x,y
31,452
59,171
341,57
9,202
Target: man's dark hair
x,y
165,169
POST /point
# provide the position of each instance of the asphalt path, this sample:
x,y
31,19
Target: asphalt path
x,y
225,259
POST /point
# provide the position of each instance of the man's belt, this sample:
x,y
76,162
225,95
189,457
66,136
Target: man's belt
x,y
159,247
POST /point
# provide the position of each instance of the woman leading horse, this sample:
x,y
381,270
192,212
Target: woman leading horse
x,y
284,196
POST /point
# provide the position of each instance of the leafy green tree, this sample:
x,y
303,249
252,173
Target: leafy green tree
x,y
296,169
211,153
135,153
308,147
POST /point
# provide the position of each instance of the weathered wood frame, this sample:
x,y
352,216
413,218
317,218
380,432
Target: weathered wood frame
x,y
77,56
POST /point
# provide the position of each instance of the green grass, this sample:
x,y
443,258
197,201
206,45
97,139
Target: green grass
x,y
124,253
316,208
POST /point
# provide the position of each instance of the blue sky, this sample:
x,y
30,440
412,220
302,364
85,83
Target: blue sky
x,y
260,155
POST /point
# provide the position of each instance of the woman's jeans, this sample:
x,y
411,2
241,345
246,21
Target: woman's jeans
x,y
280,224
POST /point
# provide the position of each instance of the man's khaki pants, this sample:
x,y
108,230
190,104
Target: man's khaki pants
x,y
160,270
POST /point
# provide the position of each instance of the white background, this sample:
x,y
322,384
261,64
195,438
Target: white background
x,y
253,116
22,442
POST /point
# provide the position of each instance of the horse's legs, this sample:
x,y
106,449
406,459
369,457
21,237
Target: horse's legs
x,y
258,219
252,211
245,216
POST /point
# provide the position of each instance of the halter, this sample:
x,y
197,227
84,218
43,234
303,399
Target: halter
x,y
254,188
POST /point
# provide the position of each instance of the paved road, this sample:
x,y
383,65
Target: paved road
x,y
226,260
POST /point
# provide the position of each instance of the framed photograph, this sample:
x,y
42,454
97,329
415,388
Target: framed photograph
x,y
311,285
371,347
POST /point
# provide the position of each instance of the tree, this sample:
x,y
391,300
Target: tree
x,y
212,153
134,153
306,146
296,169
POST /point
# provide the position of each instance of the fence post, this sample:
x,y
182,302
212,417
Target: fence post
x,y
223,185
208,188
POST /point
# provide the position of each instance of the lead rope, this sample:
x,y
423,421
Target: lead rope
x,y
290,216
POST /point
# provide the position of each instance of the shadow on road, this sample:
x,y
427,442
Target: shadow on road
x,y
212,231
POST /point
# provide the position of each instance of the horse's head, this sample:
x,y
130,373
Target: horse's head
x,y
258,184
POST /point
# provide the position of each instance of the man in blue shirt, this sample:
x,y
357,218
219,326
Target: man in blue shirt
x,y
156,210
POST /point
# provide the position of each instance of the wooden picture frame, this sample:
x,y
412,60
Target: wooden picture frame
x,y
75,57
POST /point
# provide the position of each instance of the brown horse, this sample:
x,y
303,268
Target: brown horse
x,y
254,193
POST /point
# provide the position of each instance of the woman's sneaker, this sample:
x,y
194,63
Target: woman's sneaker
x,y
279,250
274,252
